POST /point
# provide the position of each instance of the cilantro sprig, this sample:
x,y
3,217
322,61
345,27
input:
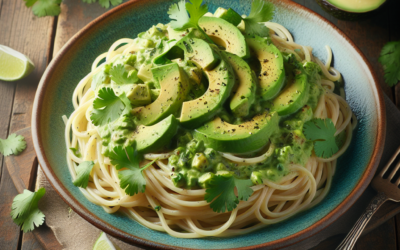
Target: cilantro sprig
x,y
25,211
181,20
83,174
120,75
131,179
261,11
221,192
14,144
322,133
43,8
108,106
390,60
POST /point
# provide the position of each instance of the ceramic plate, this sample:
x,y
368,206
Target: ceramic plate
x,y
355,168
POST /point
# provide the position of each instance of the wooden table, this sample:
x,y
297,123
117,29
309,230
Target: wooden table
x,y
41,38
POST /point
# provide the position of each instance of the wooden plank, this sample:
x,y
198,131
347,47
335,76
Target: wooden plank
x,y
10,232
370,36
29,242
384,237
23,167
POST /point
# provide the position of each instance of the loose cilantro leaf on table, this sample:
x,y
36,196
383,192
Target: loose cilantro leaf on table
x,y
132,179
25,211
322,133
390,59
44,7
221,192
83,173
181,20
119,75
14,144
261,11
108,106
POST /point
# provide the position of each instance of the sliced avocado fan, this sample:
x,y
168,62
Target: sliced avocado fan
x,y
247,137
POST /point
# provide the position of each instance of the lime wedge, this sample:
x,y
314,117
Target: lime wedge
x,y
13,64
103,243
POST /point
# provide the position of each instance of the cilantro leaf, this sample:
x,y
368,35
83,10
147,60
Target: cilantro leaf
x,y
25,211
390,60
106,3
196,10
108,107
14,144
29,3
180,18
46,7
261,11
83,174
221,192
132,179
322,132
119,75
157,208
98,79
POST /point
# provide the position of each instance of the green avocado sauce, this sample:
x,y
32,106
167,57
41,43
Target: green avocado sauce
x,y
193,164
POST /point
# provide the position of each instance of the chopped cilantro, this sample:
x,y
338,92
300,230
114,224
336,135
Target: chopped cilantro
x,y
14,144
157,208
132,179
322,133
83,174
108,107
261,11
76,152
120,75
221,192
390,59
25,211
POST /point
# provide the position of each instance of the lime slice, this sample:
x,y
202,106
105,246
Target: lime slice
x,y
13,64
103,243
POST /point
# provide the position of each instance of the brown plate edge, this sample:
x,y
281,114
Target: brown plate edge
x,y
115,232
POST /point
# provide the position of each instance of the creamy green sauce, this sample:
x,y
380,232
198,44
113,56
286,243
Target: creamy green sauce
x,y
193,164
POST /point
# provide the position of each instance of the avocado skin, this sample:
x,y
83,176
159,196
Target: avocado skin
x,y
152,138
246,141
345,15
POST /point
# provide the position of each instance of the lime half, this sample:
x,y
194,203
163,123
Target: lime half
x,y
13,64
103,243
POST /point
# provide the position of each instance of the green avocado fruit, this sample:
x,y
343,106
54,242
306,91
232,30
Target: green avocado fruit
x,y
272,74
174,88
247,137
152,138
198,111
293,97
225,34
244,95
350,10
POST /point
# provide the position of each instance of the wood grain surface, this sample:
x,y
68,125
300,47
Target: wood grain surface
x,y
41,38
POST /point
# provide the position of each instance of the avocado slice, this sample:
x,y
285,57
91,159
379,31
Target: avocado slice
x,y
293,97
138,94
272,74
174,87
244,95
243,138
225,34
229,15
221,81
350,9
152,138
198,51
